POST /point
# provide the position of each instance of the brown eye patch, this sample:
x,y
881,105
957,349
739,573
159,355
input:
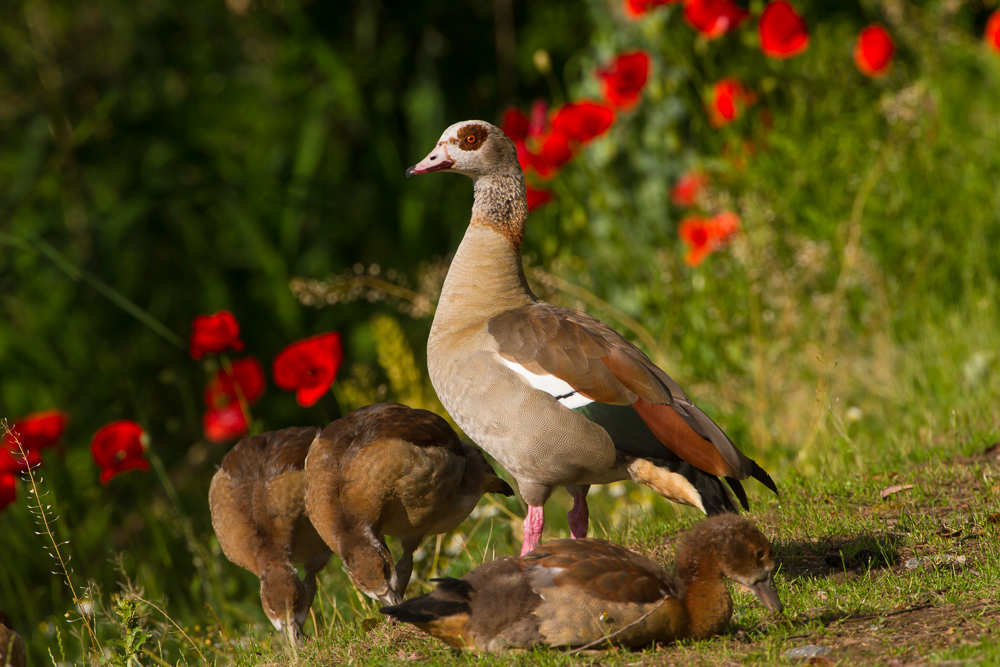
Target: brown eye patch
x,y
471,137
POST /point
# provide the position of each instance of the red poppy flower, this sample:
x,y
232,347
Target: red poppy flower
x,y
13,462
545,146
783,33
873,51
554,153
36,432
247,379
118,447
685,191
309,367
515,124
521,129
8,489
636,8
713,18
992,34
703,235
582,121
726,224
624,79
537,197
224,424
211,334
539,123
728,100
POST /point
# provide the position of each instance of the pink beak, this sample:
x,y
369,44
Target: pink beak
x,y
438,160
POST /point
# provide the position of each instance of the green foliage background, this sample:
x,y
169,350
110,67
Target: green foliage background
x,y
166,159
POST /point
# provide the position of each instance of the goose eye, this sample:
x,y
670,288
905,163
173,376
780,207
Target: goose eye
x,y
471,139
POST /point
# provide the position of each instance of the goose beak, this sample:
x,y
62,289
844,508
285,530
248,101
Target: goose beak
x,y
765,592
438,160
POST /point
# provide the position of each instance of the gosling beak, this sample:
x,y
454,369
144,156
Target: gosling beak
x,y
290,629
390,599
438,160
765,592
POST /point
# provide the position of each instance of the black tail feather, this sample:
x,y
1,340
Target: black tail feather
x,y
504,490
738,491
714,497
451,597
761,476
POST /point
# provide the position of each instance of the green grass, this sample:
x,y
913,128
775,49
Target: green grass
x,y
874,610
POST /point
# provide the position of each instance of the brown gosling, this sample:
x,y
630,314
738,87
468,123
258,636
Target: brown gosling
x,y
258,513
387,469
590,592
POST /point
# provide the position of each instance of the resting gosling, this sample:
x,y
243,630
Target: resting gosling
x,y
590,592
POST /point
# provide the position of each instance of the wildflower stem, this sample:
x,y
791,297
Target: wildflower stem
x,y
46,525
111,294
179,628
195,547
227,366
850,257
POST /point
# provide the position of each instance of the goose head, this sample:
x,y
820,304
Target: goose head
x,y
472,147
285,600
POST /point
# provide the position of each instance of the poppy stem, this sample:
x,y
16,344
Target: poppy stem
x,y
111,294
240,397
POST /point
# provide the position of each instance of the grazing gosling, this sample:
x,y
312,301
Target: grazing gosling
x,y
257,499
387,469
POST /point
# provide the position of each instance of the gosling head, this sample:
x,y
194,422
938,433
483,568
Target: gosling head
x,y
285,600
741,551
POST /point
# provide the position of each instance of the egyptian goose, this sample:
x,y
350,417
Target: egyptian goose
x,y
387,469
257,500
12,650
554,395
574,593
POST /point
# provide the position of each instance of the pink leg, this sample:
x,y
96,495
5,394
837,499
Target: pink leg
x,y
533,524
579,516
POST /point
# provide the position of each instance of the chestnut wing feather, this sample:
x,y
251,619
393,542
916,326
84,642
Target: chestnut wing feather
x,y
603,366
580,350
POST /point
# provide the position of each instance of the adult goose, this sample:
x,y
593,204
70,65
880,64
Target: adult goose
x,y
555,395
257,499
589,592
387,469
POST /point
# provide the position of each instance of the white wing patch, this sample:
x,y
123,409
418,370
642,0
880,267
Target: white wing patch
x,y
551,385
